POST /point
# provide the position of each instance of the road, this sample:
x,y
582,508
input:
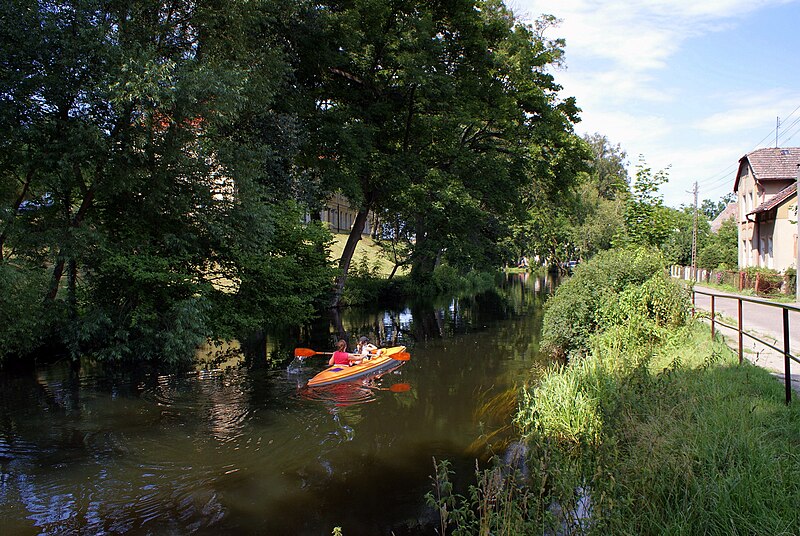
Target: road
x,y
764,322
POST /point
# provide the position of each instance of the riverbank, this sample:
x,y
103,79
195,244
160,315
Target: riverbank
x,y
649,426
684,441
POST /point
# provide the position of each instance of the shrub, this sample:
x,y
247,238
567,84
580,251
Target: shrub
x,y
25,322
573,314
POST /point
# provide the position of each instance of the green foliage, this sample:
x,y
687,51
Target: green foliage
x,y
167,163
687,438
711,209
677,245
721,249
25,320
174,153
580,304
658,300
608,173
647,221
498,503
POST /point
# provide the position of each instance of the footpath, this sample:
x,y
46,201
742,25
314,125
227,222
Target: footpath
x,y
762,321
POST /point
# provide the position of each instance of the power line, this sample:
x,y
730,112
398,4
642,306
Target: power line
x,y
721,176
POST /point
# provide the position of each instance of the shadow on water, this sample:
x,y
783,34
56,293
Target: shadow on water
x,y
240,445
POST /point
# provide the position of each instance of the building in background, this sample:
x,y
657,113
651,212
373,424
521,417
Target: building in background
x,y
339,216
728,213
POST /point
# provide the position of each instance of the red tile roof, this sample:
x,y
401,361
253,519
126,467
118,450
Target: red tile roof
x,y
728,213
771,164
776,200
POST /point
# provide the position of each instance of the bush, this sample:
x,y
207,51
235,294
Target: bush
x,y
574,313
25,322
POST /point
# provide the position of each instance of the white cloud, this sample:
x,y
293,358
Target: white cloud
x,y
637,34
748,110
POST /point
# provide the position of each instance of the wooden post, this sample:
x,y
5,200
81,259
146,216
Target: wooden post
x,y
741,337
786,361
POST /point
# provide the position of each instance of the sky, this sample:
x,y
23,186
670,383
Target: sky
x,y
690,86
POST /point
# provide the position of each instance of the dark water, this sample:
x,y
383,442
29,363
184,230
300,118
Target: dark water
x,y
248,450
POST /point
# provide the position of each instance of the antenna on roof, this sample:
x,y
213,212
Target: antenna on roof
x,y
777,127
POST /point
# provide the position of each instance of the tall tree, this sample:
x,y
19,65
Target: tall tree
x,y
647,220
608,171
151,127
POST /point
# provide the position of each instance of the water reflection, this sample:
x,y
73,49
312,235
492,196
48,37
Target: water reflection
x,y
232,448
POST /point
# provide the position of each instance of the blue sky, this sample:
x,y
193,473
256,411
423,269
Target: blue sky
x,y
693,85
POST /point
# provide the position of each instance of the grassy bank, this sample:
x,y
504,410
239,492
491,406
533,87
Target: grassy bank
x,y
368,255
680,440
651,427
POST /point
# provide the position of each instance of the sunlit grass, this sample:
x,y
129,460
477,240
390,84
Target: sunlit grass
x,y
365,249
682,441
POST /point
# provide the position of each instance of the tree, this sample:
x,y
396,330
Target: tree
x,y
721,251
153,133
647,221
677,246
439,113
608,172
711,209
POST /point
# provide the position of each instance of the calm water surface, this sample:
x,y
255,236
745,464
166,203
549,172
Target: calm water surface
x,y
245,448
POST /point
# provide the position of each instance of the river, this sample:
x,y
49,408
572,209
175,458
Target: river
x,y
242,447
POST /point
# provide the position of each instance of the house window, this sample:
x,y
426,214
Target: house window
x,y
770,260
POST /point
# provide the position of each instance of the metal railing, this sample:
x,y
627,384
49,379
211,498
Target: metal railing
x,y
787,355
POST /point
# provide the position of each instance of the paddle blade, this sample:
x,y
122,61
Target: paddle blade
x,y
400,387
401,356
304,352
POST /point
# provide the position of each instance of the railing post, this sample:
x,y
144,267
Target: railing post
x,y
741,337
712,317
786,360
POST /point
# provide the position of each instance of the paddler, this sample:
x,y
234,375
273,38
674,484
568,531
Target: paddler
x,y
364,348
341,357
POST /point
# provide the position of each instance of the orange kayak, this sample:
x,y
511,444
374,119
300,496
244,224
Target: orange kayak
x,y
379,363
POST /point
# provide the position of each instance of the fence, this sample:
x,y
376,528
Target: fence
x,y
787,355
762,283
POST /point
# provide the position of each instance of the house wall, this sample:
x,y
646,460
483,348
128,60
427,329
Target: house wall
x,y
757,240
785,233
747,199
340,216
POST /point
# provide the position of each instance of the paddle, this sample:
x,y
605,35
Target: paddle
x,y
308,352
396,388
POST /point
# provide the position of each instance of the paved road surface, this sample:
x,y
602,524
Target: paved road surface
x,y
763,321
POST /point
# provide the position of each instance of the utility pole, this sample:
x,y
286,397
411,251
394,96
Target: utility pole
x,y
797,242
694,238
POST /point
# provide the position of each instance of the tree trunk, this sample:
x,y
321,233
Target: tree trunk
x,y
87,201
58,269
15,208
347,254
425,257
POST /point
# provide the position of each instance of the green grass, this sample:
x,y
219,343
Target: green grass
x,y
365,249
674,439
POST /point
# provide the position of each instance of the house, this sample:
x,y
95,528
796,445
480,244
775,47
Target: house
x,y
766,192
340,215
729,212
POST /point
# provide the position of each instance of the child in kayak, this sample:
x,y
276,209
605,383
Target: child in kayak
x,y
341,357
364,348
